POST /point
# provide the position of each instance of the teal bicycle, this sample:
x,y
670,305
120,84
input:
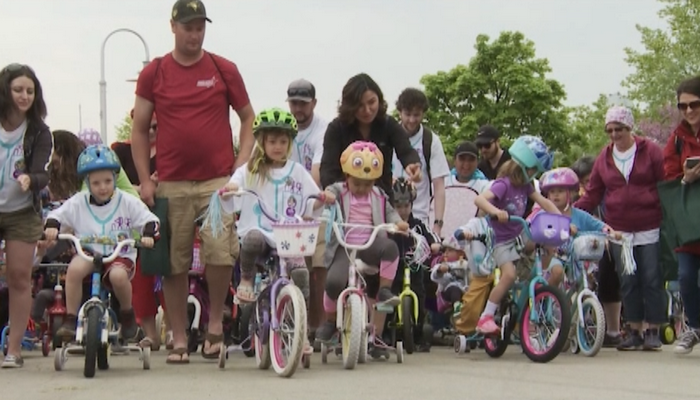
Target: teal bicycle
x,y
541,313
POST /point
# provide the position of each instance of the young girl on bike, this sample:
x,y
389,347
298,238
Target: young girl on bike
x,y
507,196
361,203
560,185
104,210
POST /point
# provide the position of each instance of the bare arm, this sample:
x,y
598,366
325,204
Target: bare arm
x,y
245,136
439,192
140,145
316,173
483,201
544,203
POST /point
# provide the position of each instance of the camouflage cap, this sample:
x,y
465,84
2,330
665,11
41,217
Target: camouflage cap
x,y
185,11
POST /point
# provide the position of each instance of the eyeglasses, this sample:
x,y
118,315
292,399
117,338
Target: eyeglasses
x,y
693,105
616,129
484,145
300,93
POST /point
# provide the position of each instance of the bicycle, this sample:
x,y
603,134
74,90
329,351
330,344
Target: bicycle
x,y
353,315
296,238
97,328
518,307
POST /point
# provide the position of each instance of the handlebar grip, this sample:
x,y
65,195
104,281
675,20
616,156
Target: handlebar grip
x,y
459,234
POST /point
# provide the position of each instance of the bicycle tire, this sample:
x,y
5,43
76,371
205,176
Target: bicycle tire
x,y
408,323
562,337
351,337
599,313
289,294
93,336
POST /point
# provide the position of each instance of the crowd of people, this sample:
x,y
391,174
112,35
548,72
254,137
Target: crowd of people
x,y
181,151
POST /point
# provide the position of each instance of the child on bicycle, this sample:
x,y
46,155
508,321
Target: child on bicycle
x,y
451,273
404,195
560,185
362,203
507,196
104,210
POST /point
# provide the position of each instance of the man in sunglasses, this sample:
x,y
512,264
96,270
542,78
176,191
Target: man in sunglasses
x,y
492,155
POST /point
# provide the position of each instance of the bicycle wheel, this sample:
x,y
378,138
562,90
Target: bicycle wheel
x,y
553,320
591,335
496,346
352,331
407,322
93,336
287,341
261,334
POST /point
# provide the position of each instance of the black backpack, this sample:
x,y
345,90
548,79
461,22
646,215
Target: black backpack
x,y
427,145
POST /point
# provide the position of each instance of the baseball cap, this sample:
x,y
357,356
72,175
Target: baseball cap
x,y
301,89
467,148
185,11
487,134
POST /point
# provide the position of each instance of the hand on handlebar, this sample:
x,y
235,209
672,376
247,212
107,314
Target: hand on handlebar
x,y
402,227
50,234
435,248
147,242
501,216
616,235
573,229
229,187
327,197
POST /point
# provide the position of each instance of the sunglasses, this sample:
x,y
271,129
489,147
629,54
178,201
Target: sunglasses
x,y
300,93
693,105
484,145
616,129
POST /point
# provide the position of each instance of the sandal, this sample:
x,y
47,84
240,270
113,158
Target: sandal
x,y
214,341
179,352
148,342
245,293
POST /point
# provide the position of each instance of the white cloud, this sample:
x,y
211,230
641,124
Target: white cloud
x,y
276,41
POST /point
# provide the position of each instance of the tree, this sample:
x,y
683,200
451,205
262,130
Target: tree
x,y
587,125
124,128
670,56
659,125
504,85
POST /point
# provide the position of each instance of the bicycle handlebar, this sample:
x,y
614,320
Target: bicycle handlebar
x,y
271,216
79,247
389,228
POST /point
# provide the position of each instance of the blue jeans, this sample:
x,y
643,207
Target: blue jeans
x,y
688,267
643,295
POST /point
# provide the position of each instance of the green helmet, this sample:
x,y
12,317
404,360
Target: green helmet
x,y
275,118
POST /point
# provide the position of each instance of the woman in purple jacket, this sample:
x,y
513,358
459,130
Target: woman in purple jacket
x,y
624,178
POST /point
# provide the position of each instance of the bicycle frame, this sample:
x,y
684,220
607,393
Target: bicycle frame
x,y
407,291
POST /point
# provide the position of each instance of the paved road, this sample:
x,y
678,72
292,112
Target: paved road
x,y
438,375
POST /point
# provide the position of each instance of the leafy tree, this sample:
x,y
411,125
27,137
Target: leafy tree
x,y
586,124
123,130
659,125
505,85
670,56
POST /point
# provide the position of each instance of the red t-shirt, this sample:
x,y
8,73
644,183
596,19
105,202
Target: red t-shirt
x,y
195,141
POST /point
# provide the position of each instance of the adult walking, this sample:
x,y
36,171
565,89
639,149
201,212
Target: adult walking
x,y
191,91
27,145
624,179
362,116
681,146
307,150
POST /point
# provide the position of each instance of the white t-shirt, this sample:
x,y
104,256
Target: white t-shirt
x,y
12,198
438,170
624,160
119,219
307,148
282,194
480,185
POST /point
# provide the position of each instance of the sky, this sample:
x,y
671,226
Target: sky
x,y
274,42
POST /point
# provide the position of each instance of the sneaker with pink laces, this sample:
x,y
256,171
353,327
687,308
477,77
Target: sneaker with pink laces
x,y
487,325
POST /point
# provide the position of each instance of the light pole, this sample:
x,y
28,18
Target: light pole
x,y
103,83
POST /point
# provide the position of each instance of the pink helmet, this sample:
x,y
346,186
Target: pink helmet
x,y
89,137
559,178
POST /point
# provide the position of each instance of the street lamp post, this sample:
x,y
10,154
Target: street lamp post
x,y
103,83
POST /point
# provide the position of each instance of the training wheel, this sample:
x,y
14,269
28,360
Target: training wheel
x,y
399,353
146,355
324,353
460,344
59,359
574,347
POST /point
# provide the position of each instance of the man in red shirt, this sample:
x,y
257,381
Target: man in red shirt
x,y
191,91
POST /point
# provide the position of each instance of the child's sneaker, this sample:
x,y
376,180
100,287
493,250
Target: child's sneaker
x,y
129,328
67,330
652,341
386,298
686,342
487,325
632,342
325,332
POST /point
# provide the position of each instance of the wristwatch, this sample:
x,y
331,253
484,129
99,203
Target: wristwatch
x,y
438,222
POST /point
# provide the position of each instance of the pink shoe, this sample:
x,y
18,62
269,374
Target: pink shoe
x,y
487,325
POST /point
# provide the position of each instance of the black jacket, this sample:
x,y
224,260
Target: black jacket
x,y
386,133
38,148
406,244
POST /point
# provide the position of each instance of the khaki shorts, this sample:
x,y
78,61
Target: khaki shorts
x,y
187,201
316,261
24,225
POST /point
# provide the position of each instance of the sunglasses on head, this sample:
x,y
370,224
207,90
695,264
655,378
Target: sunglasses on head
x,y
299,93
14,67
616,129
693,105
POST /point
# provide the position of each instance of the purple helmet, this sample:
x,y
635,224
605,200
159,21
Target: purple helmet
x,y
90,137
564,178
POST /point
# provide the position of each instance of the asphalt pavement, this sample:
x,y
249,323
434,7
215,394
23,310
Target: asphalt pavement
x,y
441,374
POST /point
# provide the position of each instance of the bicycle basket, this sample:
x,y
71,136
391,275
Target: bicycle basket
x,y
296,238
550,229
589,247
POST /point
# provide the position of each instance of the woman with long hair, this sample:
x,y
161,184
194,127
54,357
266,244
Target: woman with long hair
x,y
27,145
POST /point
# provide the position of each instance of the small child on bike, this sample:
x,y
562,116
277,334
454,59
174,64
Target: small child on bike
x,y
104,210
450,273
362,203
404,195
560,185
507,196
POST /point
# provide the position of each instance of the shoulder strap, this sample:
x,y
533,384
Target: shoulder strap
x,y
228,98
427,145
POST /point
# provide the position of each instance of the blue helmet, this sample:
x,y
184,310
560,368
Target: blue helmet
x,y
531,152
97,158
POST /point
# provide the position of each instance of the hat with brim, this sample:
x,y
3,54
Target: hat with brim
x,y
185,11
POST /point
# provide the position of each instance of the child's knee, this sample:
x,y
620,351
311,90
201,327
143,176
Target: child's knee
x,y
78,269
253,242
508,272
119,277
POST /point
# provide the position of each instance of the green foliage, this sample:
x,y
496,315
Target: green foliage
x,y
123,130
670,56
587,124
504,85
